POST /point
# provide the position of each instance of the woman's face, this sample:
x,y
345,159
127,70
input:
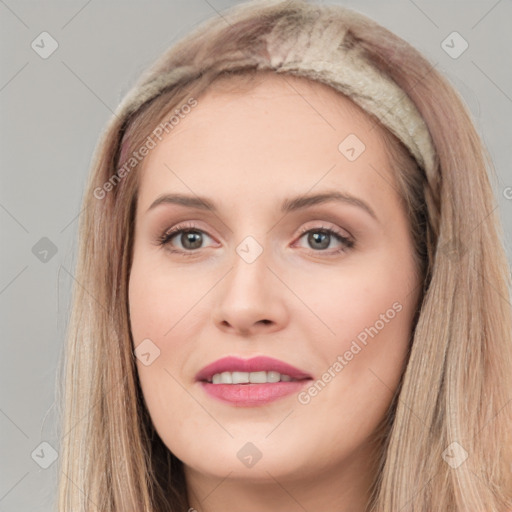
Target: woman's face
x,y
263,273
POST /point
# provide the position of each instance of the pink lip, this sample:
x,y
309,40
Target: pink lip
x,y
248,395
255,364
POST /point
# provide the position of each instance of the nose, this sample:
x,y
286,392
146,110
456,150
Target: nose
x,y
250,299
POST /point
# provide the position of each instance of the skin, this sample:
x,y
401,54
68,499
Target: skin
x,y
248,152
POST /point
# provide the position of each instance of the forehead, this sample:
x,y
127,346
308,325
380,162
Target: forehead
x,y
277,136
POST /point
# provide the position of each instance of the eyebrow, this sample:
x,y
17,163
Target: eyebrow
x,y
288,205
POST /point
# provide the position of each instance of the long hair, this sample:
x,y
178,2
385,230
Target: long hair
x,y
445,443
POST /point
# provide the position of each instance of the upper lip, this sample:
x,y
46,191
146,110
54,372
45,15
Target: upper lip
x,y
255,364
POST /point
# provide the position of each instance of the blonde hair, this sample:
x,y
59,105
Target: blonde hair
x,y
456,384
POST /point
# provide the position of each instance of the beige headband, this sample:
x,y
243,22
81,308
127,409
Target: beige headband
x,y
317,51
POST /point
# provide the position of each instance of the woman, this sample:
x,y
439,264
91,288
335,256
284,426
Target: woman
x,y
294,289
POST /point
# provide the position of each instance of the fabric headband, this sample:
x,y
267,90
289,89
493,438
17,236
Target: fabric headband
x,y
318,51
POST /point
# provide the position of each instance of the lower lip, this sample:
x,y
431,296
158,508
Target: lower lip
x,y
249,395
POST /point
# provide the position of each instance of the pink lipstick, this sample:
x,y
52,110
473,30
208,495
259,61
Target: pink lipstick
x,y
250,382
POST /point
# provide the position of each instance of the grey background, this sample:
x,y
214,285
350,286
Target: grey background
x,y
52,112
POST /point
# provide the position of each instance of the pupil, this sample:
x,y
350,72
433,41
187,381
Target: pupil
x,y
189,237
316,235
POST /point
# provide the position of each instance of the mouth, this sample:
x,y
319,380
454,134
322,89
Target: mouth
x,y
261,377
257,370
250,382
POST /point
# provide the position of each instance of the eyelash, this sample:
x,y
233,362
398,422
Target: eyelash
x,y
168,235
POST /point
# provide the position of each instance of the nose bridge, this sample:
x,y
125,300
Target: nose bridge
x,y
248,299
250,250
249,264
251,243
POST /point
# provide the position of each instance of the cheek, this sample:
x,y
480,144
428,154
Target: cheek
x,y
166,311
160,302
364,328
372,297
159,322
359,367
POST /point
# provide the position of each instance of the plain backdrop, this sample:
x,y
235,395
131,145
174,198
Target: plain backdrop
x,y
53,110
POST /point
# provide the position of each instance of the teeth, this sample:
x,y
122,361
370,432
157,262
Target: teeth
x,y
249,377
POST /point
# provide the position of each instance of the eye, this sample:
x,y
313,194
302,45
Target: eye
x,y
189,236
191,239
320,238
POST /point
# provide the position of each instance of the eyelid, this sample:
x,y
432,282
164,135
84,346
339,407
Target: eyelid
x,y
319,225
346,240
171,232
